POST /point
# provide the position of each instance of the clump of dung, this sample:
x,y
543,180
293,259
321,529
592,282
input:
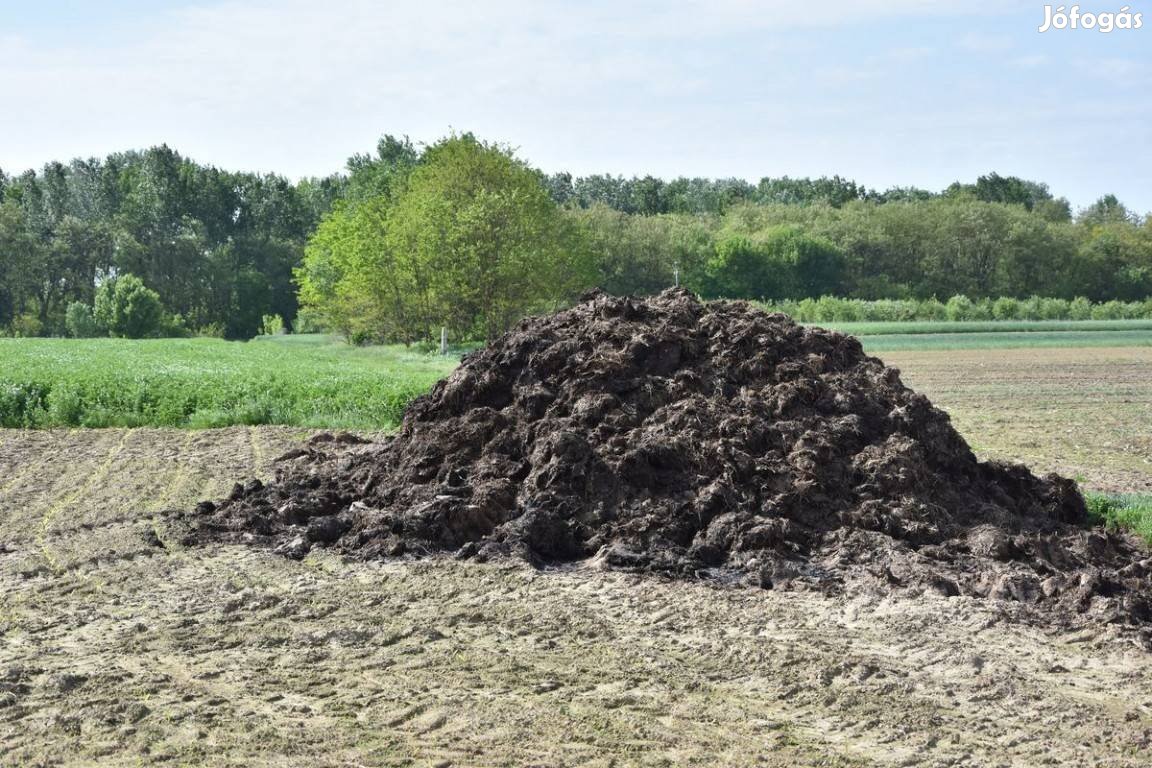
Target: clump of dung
x,y
695,439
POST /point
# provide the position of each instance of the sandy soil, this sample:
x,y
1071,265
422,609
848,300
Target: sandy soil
x,y
118,650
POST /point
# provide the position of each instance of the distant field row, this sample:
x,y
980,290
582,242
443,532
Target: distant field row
x,y
987,326
1008,334
1006,340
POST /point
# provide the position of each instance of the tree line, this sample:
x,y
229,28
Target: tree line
x,y
936,247
218,248
464,234
649,196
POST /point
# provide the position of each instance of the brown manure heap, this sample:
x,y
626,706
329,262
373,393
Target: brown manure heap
x,y
696,440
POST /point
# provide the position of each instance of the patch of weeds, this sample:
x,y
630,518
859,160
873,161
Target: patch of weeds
x,y
1127,511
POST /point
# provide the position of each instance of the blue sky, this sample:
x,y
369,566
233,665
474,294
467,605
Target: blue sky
x,y
900,92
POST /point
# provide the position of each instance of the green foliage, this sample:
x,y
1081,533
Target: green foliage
x,y
26,326
218,247
917,248
128,308
79,321
1006,308
1129,511
469,239
308,321
271,325
643,254
481,241
783,262
292,380
959,308
742,269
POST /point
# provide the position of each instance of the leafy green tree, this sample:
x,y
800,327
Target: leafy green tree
x,y
481,240
785,262
834,191
356,283
1107,210
20,258
377,175
742,269
636,254
128,308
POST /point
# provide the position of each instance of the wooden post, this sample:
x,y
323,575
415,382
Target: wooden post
x,y
443,339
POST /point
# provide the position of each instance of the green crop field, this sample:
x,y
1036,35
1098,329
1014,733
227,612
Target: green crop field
x,y
291,380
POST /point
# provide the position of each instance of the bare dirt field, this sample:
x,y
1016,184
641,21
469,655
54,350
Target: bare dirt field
x,y
1085,413
118,647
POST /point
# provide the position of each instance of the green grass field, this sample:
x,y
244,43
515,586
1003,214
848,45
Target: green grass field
x,y
310,381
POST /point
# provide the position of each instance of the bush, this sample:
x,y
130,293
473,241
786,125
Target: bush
x,y
958,308
128,308
271,325
80,323
26,326
1079,309
1006,308
211,331
174,327
1054,309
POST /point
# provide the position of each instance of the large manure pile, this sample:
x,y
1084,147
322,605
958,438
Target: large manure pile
x,y
695,439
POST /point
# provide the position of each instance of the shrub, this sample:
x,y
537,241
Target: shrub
x,y
211,331
26,326
830,309
128,308
271,325
1006,308
959,307
1079,309
932,309
1054,309
174,327
80,323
